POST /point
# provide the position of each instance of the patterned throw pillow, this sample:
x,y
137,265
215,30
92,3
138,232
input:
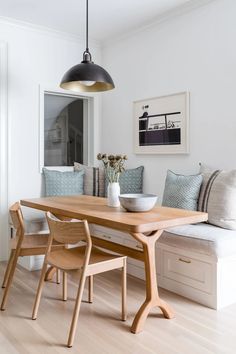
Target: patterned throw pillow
x,y
218,197
181,191
93,179
131,181
63,183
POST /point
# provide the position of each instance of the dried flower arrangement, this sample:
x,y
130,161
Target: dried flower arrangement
x,y
114,165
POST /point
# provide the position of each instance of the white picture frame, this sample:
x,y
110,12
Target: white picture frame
x,y
161,124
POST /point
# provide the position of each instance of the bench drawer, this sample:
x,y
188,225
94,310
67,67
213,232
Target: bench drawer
x,y
107,234
188,271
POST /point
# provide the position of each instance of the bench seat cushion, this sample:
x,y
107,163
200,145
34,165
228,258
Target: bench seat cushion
x,y
35,220
202,238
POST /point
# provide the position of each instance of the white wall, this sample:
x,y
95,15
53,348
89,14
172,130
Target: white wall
x,y
35,57
196,52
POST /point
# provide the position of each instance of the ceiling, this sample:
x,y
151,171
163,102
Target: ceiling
x,y
107,18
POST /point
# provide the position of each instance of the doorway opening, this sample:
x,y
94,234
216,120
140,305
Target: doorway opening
x,y
66,129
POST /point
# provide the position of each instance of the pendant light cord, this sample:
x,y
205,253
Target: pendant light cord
x,y
87,49
87,55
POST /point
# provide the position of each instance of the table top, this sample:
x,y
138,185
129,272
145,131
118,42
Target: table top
x,y
96,211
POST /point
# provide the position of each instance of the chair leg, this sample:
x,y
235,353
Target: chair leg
x,y
124,292
76,311
90,289
64,286
9,280
50,273
39,292
58,276
8,269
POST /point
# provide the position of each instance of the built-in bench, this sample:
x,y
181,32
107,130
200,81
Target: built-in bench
x,y
195,261
202,238
199,262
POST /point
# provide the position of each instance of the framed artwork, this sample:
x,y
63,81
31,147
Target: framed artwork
x,y
161,125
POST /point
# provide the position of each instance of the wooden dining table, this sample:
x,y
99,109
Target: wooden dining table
x,y
144,227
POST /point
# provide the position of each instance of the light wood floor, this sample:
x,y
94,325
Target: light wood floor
x,y
195,330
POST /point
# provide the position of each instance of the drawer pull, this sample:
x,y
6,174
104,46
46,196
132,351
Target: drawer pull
x,y
184,260
139,246
107,237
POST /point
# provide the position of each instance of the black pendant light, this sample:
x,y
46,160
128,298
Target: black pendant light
x,y
87,76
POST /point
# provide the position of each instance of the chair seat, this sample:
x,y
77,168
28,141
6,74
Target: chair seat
x,y
34,241
73,258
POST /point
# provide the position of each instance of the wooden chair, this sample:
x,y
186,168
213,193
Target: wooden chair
x,y
86,258
23,245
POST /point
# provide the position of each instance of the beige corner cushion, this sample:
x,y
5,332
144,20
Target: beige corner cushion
x,y
218,197
94,179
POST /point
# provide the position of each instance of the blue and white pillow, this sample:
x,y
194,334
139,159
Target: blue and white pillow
x,y
63,183
131,181
182,191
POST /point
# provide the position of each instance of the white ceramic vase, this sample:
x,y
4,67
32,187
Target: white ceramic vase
x,y
113,192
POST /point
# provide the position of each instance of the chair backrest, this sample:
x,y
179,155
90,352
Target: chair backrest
x,y
17,218
68,232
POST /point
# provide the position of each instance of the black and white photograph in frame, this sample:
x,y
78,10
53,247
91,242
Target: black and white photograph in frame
x,y
161,124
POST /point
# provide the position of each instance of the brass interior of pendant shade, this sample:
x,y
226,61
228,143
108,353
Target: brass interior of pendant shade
x,y
78,87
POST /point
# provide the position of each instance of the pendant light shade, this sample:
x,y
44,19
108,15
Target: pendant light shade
x,y
87,76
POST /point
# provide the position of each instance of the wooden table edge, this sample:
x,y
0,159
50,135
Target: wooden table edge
x,y
117,225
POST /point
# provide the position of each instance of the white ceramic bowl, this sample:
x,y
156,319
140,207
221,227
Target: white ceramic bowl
x,y
138,202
